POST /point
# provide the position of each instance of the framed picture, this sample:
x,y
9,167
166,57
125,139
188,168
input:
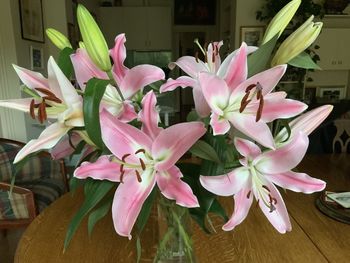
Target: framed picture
x,y
252,35
31,14
332,93
36,58
194,12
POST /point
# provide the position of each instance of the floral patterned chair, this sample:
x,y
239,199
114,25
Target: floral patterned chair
x,y
40,182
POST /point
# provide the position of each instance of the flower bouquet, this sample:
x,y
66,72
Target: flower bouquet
x,y
243,138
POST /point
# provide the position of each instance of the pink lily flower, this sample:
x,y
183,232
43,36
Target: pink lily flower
x,y
141,159
306,123
192,66
129,81
257,176
57,99
248,104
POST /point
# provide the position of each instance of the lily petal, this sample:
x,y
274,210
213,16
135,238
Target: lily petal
x,y
118,54
227,184
64,147
102,169
246,148
47,139
174,141
128,201
139,77
220,126
243,201
279,217
128,113
30,78
84,68
173,188
149,115
17,104
182,82
189,65
200,103
297,182
258,131
215,91
271,162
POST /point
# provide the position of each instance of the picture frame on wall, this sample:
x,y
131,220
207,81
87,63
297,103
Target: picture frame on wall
x,y
36,58
252,35
195,12
31,16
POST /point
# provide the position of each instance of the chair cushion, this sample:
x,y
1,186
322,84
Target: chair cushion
x,y
46,190
13,206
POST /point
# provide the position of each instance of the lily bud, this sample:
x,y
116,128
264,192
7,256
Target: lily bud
x,y
82,45
297,42
281,20
94,41
58,39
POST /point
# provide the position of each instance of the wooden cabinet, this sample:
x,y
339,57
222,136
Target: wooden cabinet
x,y
334,48
146,28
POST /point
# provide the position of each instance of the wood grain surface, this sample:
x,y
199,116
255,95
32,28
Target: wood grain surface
x,y
314,238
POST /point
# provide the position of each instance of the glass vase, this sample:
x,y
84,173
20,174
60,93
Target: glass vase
x,y
175,235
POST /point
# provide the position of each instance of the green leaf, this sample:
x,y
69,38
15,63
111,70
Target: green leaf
x,y
217,209
96,193
95,88
199,216
65,63
145,211
258,60
138,248
285,124
74,183
205,151
98,214
192,116
303,60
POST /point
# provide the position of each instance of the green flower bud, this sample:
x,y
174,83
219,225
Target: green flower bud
x,y
281,20
81,44
58,39
297,42
94,41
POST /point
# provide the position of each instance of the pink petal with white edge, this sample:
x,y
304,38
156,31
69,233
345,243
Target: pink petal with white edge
x,y
284,158
279,217
128,201
247,148
47,139
139,77
173,188
30,78
243,201
219,125
122,138
102,169
297,182
118,54
128,113
200,103
182,82
214,54
277,109
189,65
258,131
68,92
17,104
215,91
64,147
238,68
227,184
174,142
268,79
149,115
84,68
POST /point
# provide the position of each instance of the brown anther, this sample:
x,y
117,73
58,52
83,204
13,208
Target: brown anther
x,y
250,87
206,57
42,112
46,92
140,151
122,176
213,57
258,95
142,164
216,50
125,156
31,109
196,56
272,208
121,169
54,99
274,200
138,176
43,108
244,102
260,109
265,187
248,195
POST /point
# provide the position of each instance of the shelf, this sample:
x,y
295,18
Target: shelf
x,y
337,16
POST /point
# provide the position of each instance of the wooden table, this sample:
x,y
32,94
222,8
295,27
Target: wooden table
x,y
314,238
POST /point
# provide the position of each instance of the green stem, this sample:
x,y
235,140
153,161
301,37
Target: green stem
x,y
111,78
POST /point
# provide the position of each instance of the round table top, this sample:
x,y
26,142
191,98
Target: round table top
x,y
255,240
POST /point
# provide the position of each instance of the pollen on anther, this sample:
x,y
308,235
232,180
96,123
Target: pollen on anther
x,y
248,195
125,156
122,176
142,164
140,151
138,176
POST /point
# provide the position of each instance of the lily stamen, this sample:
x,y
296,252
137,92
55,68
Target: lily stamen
x,y
196,57
54,99
138,176
122,176
125,156
46,92
248,195
121,169
140,151
31,109
260,109
143,166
